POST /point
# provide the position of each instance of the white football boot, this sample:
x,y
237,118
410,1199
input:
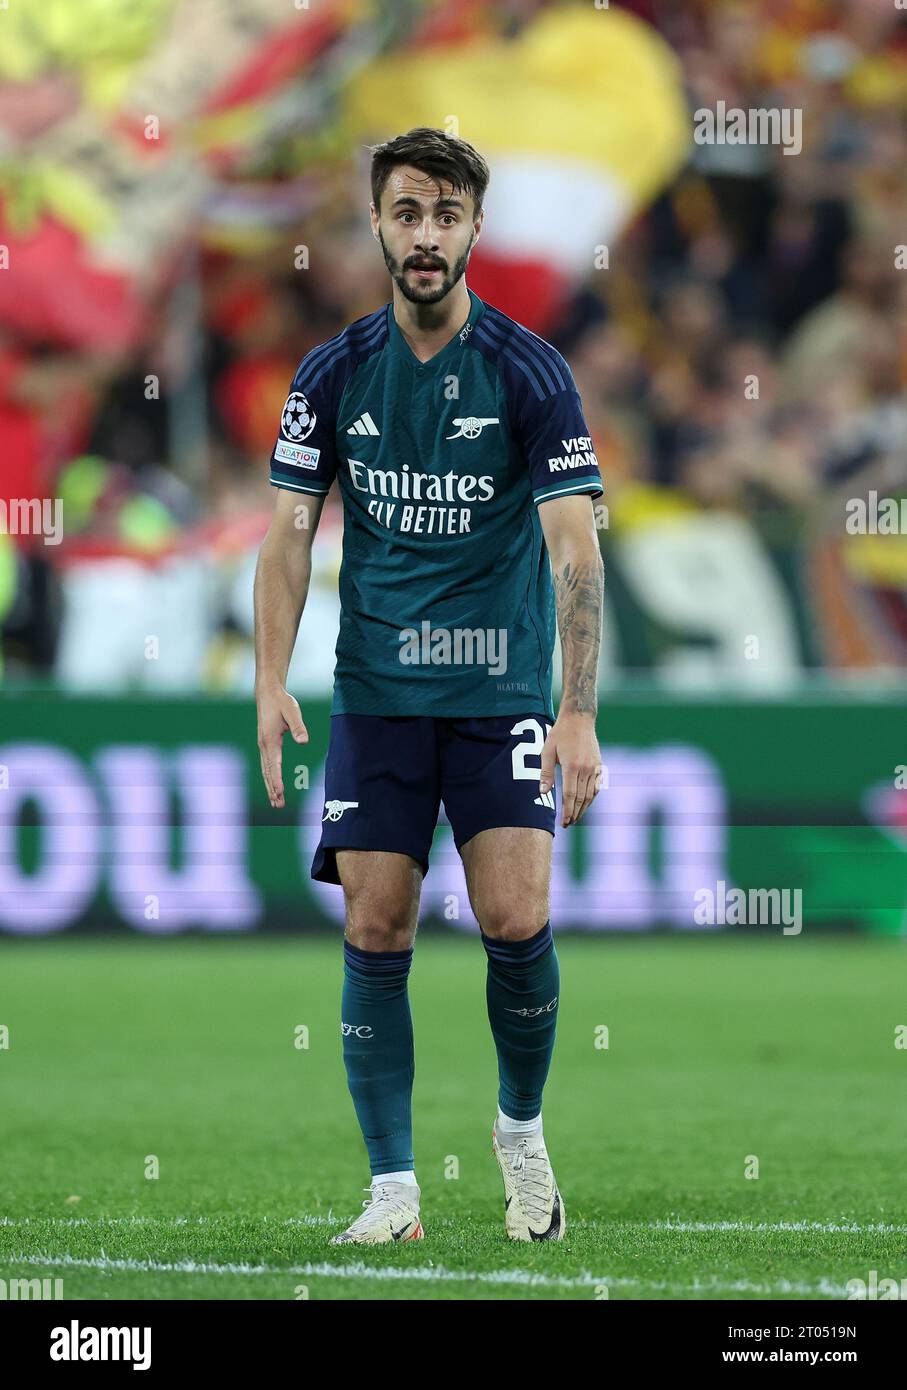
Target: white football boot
x,y
391,1214
533,1207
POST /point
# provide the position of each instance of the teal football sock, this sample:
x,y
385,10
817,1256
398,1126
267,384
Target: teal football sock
x,y
378,1053
522,993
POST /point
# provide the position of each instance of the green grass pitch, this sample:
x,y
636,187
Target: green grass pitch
x,y
719,1049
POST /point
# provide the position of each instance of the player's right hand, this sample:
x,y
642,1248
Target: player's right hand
x,y
278,712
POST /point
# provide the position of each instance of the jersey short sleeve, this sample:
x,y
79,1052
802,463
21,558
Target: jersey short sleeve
x,y
304,457
551,430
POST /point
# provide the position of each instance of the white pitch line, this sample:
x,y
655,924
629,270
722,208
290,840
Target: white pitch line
x,y
760,1227
689,1227
68,1221
432,1274
426,1273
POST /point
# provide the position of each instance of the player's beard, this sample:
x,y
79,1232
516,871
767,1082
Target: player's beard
x,y
417,294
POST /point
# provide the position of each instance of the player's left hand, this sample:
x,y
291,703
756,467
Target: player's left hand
x,y
572,742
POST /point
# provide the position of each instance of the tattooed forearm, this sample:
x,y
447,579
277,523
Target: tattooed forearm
x,y
578,586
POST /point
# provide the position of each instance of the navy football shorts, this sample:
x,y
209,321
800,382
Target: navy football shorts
x,y
385,778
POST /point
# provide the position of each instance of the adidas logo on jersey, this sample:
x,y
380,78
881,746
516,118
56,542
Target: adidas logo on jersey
x,y
546,799
364,425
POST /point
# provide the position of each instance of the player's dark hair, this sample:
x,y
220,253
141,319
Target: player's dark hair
x,y
435,153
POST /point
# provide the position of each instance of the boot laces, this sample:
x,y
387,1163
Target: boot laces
x,y
381,1202
531,1170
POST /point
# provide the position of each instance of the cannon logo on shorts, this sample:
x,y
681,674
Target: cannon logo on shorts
x,y
333,810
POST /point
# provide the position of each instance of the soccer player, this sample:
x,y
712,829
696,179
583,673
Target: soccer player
x,y
467,474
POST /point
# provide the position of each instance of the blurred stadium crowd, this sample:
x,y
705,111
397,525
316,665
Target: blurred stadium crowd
x,y
742,355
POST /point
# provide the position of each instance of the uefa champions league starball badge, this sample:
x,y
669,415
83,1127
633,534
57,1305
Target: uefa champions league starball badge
x,y
298,418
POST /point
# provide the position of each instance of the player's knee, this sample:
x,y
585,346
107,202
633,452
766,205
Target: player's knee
x,y
381,931
506,921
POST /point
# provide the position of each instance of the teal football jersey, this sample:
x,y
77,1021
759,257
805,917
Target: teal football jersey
x,y
447,601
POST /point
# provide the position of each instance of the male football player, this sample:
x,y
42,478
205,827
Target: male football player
x,y
467,475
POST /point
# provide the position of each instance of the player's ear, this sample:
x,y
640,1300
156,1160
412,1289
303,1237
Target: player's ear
x,y
374,217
